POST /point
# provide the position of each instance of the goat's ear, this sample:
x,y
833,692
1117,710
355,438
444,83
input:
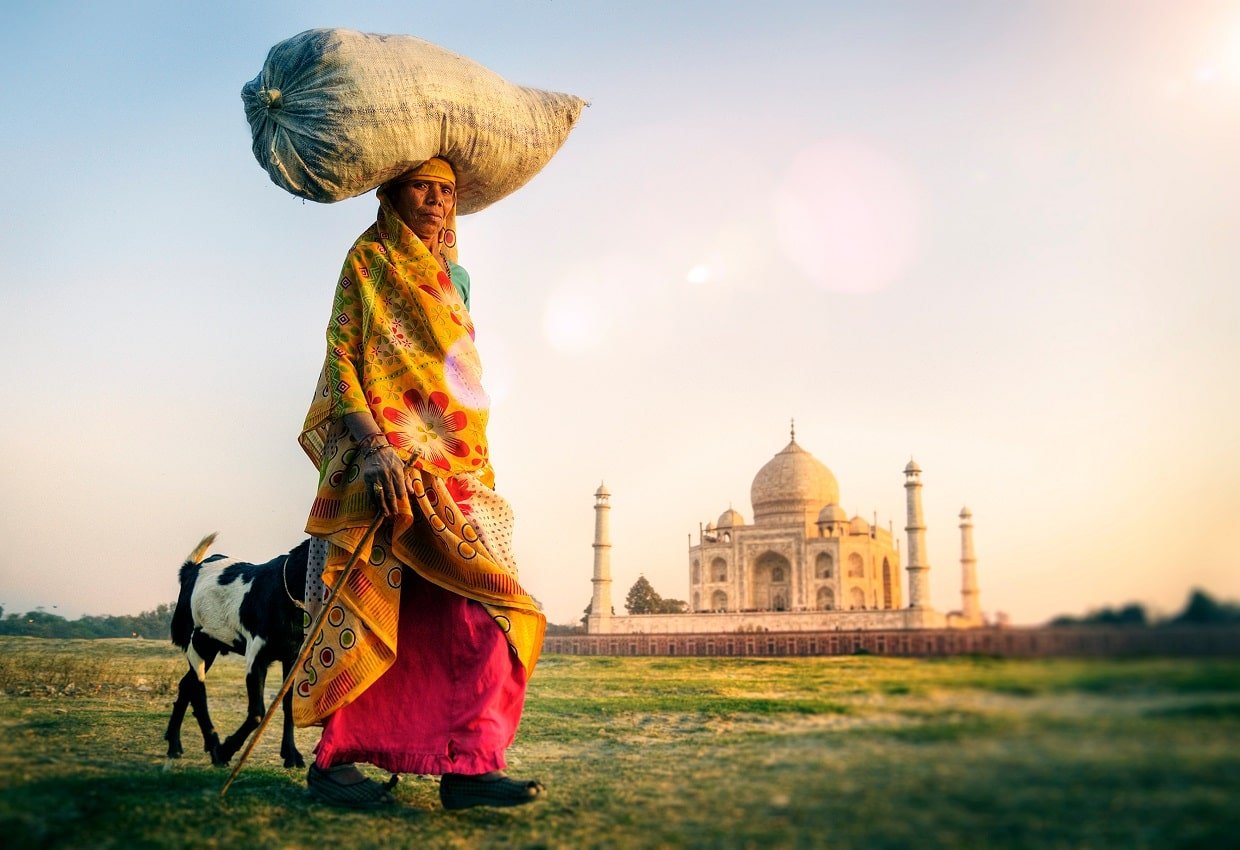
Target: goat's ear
x,y
200,551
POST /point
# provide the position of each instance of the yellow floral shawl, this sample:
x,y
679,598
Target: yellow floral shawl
x,y
400,345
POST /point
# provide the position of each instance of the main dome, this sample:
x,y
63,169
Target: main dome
x,y
792,487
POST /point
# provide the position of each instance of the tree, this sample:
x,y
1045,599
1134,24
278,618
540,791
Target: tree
x,y
1132,614
1203,608
642,598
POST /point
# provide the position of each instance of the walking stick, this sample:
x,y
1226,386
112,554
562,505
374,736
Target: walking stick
x,y
306,647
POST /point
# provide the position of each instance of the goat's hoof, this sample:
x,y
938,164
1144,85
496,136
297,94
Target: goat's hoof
x,y
225,753
295,760
175,752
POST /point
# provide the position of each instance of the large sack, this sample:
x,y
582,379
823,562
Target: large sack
x,y
335,113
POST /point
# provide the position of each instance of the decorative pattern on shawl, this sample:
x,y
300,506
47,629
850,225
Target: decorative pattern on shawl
x,y
400,345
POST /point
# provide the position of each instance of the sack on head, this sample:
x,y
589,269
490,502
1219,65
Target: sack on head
x,y
335,113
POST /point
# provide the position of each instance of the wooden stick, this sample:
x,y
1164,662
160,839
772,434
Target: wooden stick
x,y
307,647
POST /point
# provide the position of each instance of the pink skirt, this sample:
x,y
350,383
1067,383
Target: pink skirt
x,y
451,701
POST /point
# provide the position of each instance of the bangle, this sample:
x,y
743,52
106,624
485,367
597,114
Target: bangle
x,y
376,448
364,441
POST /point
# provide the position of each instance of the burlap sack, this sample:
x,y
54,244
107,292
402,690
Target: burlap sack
x,y
335,113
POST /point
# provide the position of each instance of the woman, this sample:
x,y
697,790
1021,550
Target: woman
x,y
424,658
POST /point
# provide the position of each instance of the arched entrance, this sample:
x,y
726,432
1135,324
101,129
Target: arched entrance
x,y
771,584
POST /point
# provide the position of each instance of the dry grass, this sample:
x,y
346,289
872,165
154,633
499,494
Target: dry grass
x,y
641,752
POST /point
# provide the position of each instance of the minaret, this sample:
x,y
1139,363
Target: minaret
x,y
918,572
599,620
970,605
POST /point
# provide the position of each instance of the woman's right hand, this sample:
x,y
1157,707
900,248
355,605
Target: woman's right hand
x,y
385,478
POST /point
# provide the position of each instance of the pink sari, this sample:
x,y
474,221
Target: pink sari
x,y
451,701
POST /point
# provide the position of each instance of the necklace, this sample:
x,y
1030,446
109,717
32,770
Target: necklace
x,y
284,575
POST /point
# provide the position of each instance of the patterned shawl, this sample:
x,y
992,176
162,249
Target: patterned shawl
x,y
400,345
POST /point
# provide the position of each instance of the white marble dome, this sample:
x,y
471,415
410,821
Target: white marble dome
x,y
792,486
729,518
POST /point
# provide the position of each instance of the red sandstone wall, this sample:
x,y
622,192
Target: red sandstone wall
x,y
1006,642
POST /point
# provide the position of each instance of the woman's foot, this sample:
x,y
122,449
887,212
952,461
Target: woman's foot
x,y
458,791
345,785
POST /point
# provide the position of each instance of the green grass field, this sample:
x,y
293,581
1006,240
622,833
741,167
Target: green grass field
x,y
850,752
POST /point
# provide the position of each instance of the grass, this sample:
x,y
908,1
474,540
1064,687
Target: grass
x,y
862,752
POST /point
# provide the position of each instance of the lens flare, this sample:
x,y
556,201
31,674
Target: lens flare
x,y
499,376
463,374
701,273
847,217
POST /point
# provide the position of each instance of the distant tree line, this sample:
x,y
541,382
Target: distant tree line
x,y
40,623
1201,609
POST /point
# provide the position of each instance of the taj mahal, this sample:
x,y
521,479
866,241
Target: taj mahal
x,y
801,565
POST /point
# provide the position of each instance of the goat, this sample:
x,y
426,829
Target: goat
x,y
226,606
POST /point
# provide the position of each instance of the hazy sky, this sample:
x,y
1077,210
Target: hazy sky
x,y
999,237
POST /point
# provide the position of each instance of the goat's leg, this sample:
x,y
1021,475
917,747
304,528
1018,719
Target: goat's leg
x,y
288,745
202,655
173,735
255,679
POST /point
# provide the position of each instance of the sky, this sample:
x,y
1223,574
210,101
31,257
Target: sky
x,y
999,238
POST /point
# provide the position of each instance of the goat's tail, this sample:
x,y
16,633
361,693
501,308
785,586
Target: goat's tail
x,y
182,616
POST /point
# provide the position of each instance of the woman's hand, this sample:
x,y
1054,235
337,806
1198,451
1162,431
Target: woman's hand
x,y
386,480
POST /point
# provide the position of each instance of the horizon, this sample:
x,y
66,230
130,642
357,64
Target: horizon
x,y
998,238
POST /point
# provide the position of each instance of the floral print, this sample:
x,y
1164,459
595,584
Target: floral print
x,y
445,293
425,427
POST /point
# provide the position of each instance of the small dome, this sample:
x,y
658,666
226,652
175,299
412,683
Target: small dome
x,y
710,526
912,467
602,490
729,518
965,513
832,513
857,525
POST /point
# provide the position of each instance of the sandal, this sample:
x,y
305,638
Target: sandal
x,y
457,791
329,786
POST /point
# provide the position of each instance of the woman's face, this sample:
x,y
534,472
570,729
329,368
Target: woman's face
x,y
424,207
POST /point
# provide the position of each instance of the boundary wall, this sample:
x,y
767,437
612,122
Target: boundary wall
x,y
1013,642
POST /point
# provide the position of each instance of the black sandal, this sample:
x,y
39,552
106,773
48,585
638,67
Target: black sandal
x,y
457,791
366,794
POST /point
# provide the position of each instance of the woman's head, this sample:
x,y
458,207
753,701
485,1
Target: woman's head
x,y
425,200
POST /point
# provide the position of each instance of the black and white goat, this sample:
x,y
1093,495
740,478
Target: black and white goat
x,y
226,606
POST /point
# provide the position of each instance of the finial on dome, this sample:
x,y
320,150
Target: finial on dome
x,y
793,429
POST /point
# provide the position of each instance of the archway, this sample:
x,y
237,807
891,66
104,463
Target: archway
x,y
770,582
824,565
826,599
